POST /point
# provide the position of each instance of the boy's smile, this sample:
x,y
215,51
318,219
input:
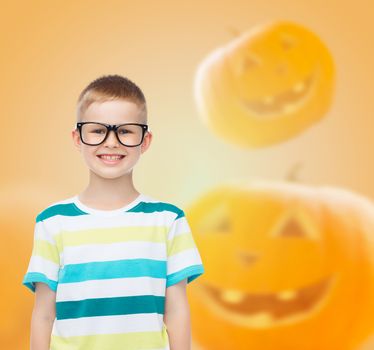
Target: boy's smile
x,y
111,159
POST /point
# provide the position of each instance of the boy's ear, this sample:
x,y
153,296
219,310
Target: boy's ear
x,y
146,142
76,139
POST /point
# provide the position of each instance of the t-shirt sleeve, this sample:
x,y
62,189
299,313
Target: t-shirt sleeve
x,y
184,260
44,263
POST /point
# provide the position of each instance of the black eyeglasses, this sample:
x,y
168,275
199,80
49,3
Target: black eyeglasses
x,y
129,134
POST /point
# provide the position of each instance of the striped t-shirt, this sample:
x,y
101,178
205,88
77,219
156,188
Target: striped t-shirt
x,y
110,270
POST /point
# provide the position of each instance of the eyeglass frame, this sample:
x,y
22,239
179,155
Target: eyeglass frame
x,y
113,127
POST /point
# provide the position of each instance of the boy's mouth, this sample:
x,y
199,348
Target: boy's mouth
x,y
111,158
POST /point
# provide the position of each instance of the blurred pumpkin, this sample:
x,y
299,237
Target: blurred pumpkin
x,y
265,86
288,267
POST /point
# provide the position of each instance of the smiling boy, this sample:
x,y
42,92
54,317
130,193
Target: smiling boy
x,y
110,265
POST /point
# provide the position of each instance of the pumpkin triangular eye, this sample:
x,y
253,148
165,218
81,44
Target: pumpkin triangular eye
x,y
292,228
298,224
249,61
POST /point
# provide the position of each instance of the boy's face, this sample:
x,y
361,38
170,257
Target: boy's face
x,y
112,112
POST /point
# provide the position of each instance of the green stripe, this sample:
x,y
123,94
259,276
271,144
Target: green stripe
x,y
110,306
179,243
156,234
46,250
128,341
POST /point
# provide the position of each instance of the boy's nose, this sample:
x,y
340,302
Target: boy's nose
x,y
111,138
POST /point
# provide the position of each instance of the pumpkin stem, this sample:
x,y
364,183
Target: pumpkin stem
x,y
234,31
292,174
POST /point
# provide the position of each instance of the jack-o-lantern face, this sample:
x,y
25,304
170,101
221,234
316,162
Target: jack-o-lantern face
x,y
267,85
284,263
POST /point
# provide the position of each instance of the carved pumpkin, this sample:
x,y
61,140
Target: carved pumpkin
x,y
265,86
288,267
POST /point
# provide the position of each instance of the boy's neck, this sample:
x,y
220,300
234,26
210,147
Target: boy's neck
x,y
109,193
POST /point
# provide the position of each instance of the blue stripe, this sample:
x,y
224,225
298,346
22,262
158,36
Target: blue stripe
x,y
32,277
69,209
190,272
112,269
110,306
151,207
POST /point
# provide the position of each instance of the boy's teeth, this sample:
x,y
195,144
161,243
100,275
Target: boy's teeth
x,y
110,157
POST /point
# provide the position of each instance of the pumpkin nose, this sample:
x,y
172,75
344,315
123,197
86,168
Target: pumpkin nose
x,y
247,257
282,68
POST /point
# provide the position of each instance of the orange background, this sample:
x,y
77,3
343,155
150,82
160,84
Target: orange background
x,y
51,50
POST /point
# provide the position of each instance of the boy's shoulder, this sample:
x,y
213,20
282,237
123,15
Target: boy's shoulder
x,y
159,205
55,208
152,199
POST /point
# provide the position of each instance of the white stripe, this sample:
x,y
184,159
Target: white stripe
x,y
114,251
180,226
41,265
85,222
114,287
183,259
145,322
48,228
42,232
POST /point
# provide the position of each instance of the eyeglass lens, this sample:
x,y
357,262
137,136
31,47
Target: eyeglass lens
x,y
129,135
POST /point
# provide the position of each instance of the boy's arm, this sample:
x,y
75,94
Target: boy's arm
x,y
43,315
177,316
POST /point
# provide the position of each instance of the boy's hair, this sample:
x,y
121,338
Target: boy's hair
x,y
111,87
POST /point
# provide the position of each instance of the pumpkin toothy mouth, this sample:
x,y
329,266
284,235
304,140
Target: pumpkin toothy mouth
x,y
286,102
262,310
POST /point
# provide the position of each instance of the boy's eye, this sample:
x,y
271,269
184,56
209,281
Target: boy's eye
x,y
98,131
